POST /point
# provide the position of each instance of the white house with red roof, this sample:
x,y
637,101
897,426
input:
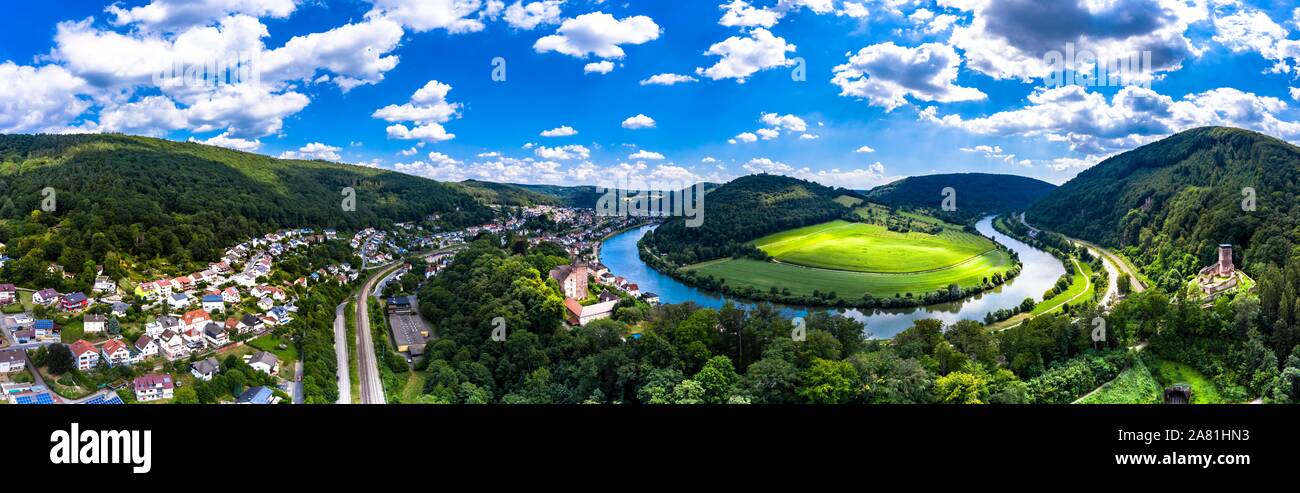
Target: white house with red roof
x,y
146,347
115,353
85,353
195,319
230,295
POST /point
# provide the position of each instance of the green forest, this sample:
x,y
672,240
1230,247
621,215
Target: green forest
x,y
133,203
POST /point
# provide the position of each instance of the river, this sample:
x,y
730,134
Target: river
x,y
1040,271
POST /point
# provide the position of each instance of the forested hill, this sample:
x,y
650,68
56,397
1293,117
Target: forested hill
x,y
976,193
1176,199
506,194
148,199
747,208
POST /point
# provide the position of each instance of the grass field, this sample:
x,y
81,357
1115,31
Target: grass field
x,y
1081,289
1134,385
1204,391
802,280
859,247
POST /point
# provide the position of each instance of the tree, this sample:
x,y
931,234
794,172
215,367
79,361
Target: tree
x,y
718,378
829,382
960,387
60,359
185,395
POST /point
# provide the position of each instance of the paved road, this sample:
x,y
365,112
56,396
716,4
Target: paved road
x,y
372,388
297,382
341,351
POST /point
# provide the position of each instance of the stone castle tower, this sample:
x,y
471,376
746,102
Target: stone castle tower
x,y
1225,267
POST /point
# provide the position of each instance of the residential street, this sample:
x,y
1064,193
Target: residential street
x,y
341,350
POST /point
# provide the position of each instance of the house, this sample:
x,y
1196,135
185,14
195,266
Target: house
x,y
163,323
583,315
213,303
572,279
256,395
598,270
215,335
183,283
45,297
115,353
195,319
265,303
146,346
86,355
250,323
147,290
73,302
608,296
93,324
12,360
264,362
204,370
119,309
280,314
230,295
172,345
8,294
152,387
650,298
103,284
178,301
194,339
634,290
25,336
46,329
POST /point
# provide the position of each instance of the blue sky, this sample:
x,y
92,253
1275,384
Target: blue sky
x,y
893,88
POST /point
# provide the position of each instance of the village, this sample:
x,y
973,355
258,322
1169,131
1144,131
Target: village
x,y
178,330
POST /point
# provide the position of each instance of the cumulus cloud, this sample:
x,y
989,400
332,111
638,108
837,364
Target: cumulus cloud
x,y
740,13
1010,38
991,152
562,153
887,74
527,17
561,131
601,67
427,110
355,54
742,57
171,15
39,99
639,122
314,150
599,34
1253,30
667,80
455,16
744,137
225,140
865,150
1134,116
646,155
868,176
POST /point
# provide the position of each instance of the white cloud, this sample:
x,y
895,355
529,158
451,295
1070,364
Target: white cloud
x,y
1253,30
314,150
887,74
428,109
745,137
224,140
1295,93
425,15
172,15
563,153
708,160
768,133
668,79
648,155
598,33
991,152
355,54
409,152
809,137
787,122
856,10
866,177
562,131
865,150
1009,39
601,67
534,14
39,99
740,13
638,122
1134,116
742,57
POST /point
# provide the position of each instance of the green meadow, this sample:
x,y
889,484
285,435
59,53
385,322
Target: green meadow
x,y
859,247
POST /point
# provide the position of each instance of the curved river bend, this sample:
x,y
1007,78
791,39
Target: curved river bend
x,y
1039,273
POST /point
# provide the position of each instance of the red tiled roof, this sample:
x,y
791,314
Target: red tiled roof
x,y
81,347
